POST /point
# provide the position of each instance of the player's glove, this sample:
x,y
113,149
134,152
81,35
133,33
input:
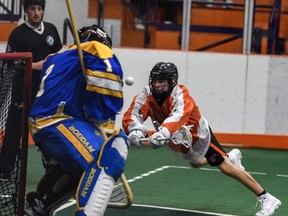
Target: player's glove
x,y
159,138
134,138
136,132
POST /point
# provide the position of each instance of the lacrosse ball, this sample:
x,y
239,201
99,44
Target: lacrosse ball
x,y
129,81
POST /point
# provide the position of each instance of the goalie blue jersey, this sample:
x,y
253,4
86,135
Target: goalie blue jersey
x,y
65,93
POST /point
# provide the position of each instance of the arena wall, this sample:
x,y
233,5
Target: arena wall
x,y
240,95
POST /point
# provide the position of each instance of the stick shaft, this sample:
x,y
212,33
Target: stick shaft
x,y
81,59
127,189
146,139
76,36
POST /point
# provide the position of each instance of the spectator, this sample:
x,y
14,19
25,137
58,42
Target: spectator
x,y
35,36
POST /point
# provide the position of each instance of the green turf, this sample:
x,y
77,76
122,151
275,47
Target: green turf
x,y
34,168
194,189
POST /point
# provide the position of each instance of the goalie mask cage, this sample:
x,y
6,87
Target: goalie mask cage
x,y
15,97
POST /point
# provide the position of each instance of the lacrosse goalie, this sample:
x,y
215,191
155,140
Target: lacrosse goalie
x,y
65,124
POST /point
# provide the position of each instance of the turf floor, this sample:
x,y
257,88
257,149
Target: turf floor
x,y
159,182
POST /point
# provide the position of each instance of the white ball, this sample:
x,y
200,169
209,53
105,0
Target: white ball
x,y
129,81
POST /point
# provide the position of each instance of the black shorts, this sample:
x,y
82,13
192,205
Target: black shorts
x,y
215,151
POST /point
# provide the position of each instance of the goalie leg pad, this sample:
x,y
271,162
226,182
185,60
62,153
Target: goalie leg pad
x,y
94,192
86,185
100,195
97,182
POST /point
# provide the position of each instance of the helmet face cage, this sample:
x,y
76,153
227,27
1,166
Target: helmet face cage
x,y
94,32
26,3
163,71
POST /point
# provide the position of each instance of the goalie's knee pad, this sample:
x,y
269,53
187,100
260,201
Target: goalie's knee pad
x,y
114,161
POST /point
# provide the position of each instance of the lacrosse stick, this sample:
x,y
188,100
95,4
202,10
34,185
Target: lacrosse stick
x,y
128,193
181,137
143,140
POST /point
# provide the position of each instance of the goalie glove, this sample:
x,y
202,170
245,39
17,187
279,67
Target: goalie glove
x,y
134,138
159,138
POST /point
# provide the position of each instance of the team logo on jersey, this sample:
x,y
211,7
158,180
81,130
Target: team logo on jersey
x,y
50,40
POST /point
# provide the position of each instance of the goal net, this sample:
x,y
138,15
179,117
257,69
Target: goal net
x,y
15,91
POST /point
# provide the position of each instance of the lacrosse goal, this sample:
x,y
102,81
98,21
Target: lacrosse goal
x,y
15,97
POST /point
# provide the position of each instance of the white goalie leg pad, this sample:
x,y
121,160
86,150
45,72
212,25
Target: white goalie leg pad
x,y
98,200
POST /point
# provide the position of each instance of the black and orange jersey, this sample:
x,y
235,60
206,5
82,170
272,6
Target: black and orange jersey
x,y
177,110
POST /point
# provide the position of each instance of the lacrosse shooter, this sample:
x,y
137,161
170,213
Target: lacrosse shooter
x,y
65,122
182,127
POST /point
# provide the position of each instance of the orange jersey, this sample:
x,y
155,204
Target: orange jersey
x,y
177,110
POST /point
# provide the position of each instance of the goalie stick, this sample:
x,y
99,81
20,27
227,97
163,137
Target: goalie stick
x,y
125,184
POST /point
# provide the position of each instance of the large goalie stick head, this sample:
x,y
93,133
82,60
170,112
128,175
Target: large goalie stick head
x,y
94,32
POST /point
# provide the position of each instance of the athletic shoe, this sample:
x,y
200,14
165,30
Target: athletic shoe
x,y
268,204
235,157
